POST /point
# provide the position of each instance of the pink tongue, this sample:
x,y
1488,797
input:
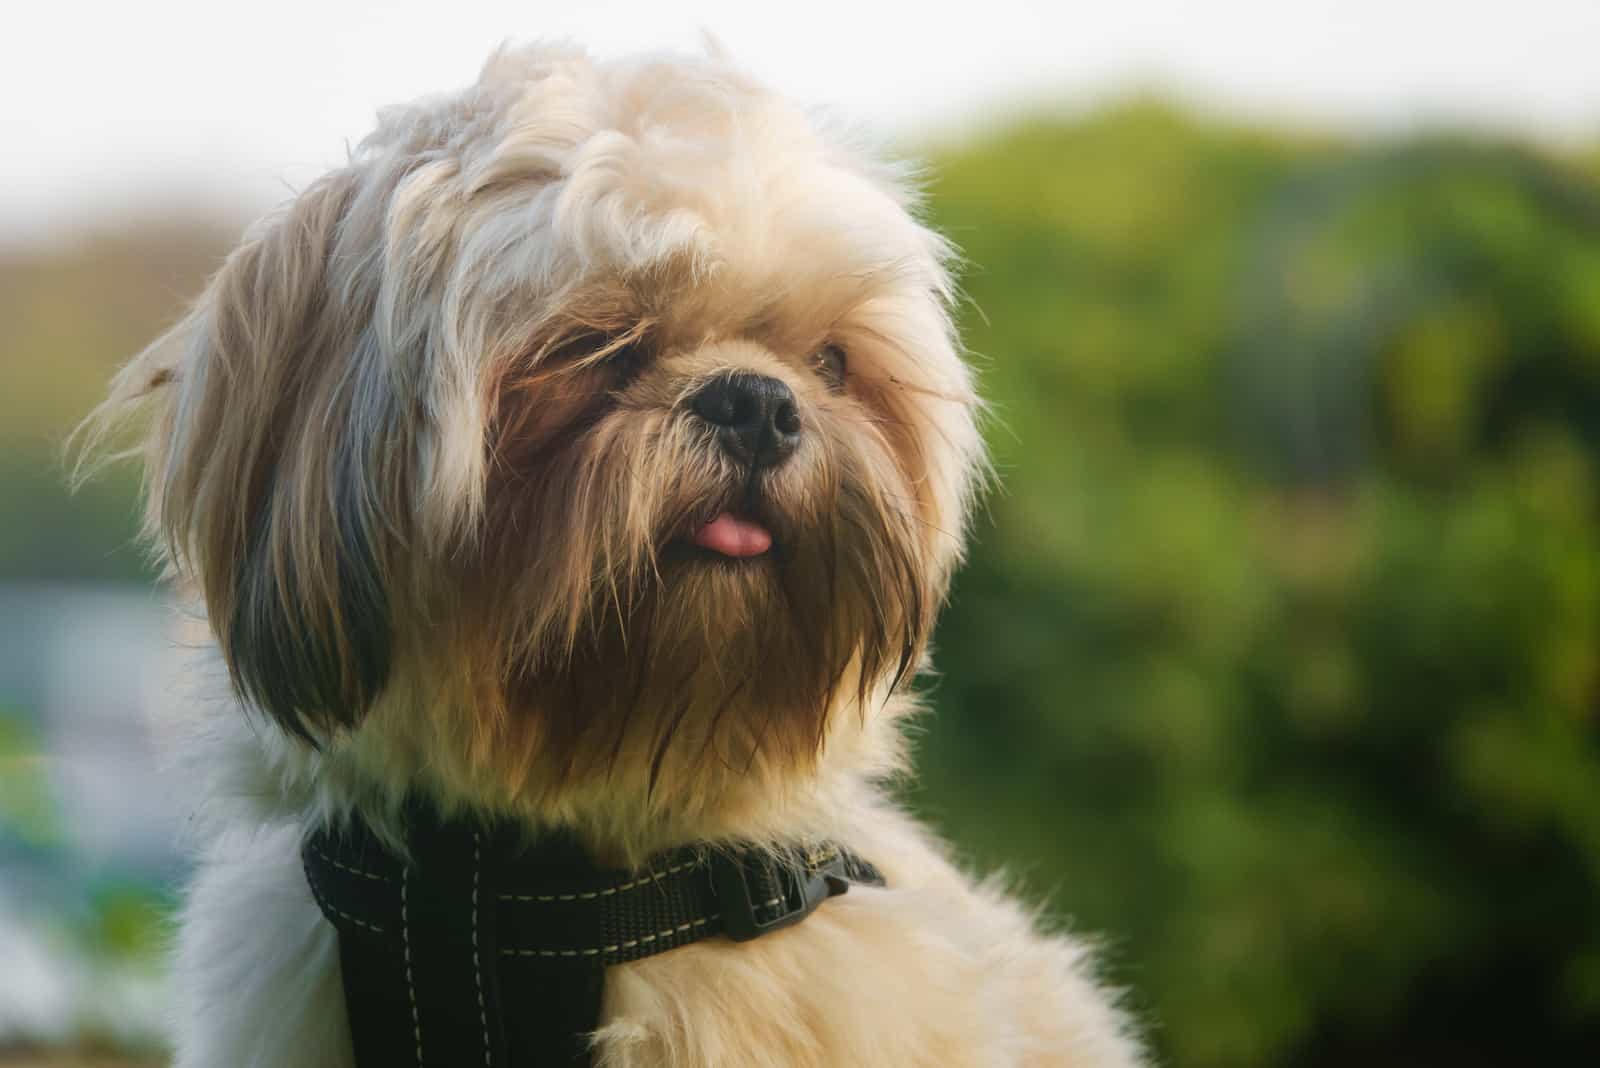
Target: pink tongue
x,y
732,536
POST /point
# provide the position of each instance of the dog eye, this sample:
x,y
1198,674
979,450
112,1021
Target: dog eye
x,y
627,362
832,365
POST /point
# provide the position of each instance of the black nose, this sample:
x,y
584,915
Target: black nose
x,y
756,417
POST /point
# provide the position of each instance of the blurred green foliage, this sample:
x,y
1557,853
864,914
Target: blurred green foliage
x,y
26,813
69,317
1277,661
1277,657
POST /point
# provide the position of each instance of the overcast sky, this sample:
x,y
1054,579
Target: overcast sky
x,y
109,105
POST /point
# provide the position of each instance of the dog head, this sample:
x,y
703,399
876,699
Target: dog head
x,y
599,423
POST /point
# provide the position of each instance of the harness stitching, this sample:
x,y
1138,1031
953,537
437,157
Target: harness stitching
x,y
607,892
477,966
405,937
629,944
326,906
345,867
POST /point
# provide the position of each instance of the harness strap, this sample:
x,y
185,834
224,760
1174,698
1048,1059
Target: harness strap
x,y
486,951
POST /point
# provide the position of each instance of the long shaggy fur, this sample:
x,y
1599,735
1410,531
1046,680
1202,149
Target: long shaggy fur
x,y
423,450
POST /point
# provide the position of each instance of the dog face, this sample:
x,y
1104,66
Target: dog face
x,y
601,421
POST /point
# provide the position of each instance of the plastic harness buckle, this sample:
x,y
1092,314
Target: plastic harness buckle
x,y
760,896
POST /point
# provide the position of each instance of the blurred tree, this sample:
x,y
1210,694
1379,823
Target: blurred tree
x,y
1277,655
69,316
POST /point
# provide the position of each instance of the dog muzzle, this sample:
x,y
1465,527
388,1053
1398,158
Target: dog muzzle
x,y
483,949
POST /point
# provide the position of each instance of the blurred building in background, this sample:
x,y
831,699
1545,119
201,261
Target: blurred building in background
x,y
1277,661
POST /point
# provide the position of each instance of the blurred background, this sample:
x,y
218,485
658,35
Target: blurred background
x,y
1277,664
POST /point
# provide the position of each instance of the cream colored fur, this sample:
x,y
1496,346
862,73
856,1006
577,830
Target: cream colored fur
x,y
422,453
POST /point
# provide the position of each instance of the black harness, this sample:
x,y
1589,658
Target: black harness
x,y
486,951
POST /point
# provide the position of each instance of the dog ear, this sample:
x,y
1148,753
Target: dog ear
x,y
278,474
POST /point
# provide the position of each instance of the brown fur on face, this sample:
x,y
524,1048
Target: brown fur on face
x,y
619,639
423,446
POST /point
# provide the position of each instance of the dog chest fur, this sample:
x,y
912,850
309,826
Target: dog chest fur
x,y
930,973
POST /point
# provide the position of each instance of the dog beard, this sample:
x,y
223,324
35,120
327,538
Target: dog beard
x,y
627,644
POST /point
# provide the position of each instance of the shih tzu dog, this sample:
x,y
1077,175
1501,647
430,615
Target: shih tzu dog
x,y
569,483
